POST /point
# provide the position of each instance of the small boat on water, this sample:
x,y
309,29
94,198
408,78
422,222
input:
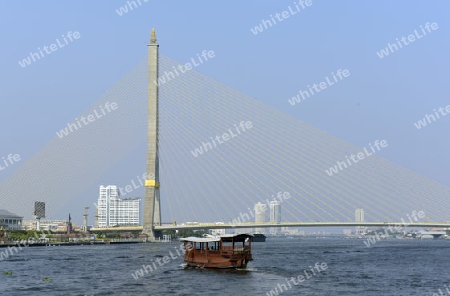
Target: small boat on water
x,y
225,251
258,237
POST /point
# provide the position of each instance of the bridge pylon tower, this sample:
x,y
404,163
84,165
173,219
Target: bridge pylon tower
x,y
152,207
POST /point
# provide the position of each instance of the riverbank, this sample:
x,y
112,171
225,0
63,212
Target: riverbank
x,y
60,244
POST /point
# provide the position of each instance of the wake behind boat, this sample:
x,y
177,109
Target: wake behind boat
x,y
225,251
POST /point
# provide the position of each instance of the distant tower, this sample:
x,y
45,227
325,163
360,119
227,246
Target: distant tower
x,y
85,215
152,208
69,226
96,217
275,214
359,217
260,216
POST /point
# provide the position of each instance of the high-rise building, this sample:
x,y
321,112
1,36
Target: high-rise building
x,y
39,213
39,209
260,216
112,210
275,214
359,217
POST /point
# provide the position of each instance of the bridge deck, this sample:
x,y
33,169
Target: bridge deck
x,y
282,224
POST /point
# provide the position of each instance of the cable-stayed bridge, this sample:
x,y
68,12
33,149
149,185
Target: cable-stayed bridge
x,y
205,178
213,180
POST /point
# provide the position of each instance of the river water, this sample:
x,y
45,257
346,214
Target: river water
x,y
390,267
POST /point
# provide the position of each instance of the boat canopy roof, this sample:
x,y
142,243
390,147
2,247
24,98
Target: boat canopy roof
x,y
200,239
225,237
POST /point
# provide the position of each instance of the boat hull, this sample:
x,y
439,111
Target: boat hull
x,y
218,262
215,266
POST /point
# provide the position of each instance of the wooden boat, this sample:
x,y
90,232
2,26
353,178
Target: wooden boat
x,y
225,251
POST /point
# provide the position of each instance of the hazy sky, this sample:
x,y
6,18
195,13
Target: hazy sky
x,y
381,99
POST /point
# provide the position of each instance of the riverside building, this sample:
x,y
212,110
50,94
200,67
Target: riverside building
x,y
10,221
112,210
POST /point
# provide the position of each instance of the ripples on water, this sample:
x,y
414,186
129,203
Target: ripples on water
x,y
393,267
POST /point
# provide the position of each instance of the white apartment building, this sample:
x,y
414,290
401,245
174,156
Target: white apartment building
x,y
112,210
